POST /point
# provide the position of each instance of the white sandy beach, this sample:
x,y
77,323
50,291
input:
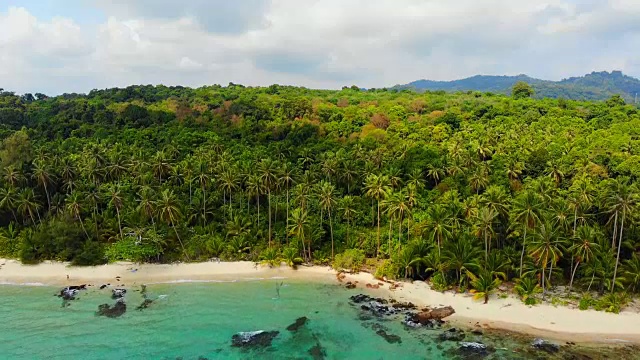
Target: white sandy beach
x,y
559,323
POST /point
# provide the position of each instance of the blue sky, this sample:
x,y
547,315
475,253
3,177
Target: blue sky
x,y
56,46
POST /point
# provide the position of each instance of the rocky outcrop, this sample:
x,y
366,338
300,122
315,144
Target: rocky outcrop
x,y
118,293
380,307
70,292
435,314
452,334
114,311
382,331
471,350
317,352
544,345
300,322
251,339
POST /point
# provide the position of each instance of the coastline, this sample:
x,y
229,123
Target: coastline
x,y
500,314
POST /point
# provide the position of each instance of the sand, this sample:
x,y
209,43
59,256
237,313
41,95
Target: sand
x,y
560,323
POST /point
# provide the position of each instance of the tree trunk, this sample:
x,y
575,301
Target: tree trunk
x,y
85,230
204,205
615,270
524,241
119,224
46,191
378,251
269,200
615,231
486,297
180,240
389,240
287,232
573,273
543,277
331,229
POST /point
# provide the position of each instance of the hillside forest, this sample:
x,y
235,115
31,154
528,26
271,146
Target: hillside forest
x,y
465,190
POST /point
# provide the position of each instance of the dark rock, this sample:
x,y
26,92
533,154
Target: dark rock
x,y
253,338
382,332
473,350
118,293
544,345
300,322
477,332
70,292
145,304
114,311
413,320
452,334
317,352
350,285
103,287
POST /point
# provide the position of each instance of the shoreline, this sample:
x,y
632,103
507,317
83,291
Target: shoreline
x,y
500,314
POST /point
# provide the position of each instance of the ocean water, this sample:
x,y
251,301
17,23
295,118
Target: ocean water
x,y
197,321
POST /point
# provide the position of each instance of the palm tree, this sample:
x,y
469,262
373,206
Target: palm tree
x,y
202,178
622,199
160,165
438,225
483,224
484,284
12,176
347,207
44,179
377,187
146,205
8,200
631,271
462,256
116,201
299,227
327,199
268,177
526,212
545,248
435,172
169,212
28,204
229,182
286,180
74,207
584,245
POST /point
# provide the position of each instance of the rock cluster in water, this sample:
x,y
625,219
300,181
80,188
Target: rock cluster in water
x,y
118,293
300,322
117,310
70,292
379,307
252,339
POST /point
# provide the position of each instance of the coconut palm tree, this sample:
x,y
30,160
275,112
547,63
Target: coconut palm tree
x,y
116,201
44,178
269,178
74,207
526,212
12,176
327,200
437,227
622,199
583,247
203,179
631,272
28,204
377,187
286,179
347,207
9,200
299,227
146,205
462,256
483,225
484,284
168,210
546,248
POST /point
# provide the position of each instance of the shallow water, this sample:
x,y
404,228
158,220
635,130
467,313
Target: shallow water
x,y
197,321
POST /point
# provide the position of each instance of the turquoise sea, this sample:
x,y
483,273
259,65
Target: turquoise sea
x,y
197,321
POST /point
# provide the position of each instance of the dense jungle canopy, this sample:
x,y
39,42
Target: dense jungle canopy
x,y
464,189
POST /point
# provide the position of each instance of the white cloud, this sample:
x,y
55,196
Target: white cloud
x,y
316,43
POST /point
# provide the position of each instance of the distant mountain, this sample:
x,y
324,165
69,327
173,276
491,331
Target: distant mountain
x,y
594,86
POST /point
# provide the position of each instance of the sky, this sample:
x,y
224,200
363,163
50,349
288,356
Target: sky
x,y
57,46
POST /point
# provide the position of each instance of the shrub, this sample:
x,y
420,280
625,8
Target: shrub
x,y
612,302
351,260
586,301
439,282
291,256
271,257
387,269
128,250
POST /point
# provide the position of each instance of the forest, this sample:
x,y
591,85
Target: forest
x,y
466,190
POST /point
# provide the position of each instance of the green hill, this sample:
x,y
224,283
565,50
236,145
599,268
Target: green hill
x,y
594,86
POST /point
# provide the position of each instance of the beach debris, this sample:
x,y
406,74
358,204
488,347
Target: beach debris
x,y
70,292
278,286
258,338
372,286
118,293
350,285
117,310
546,346
452,334
300,322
